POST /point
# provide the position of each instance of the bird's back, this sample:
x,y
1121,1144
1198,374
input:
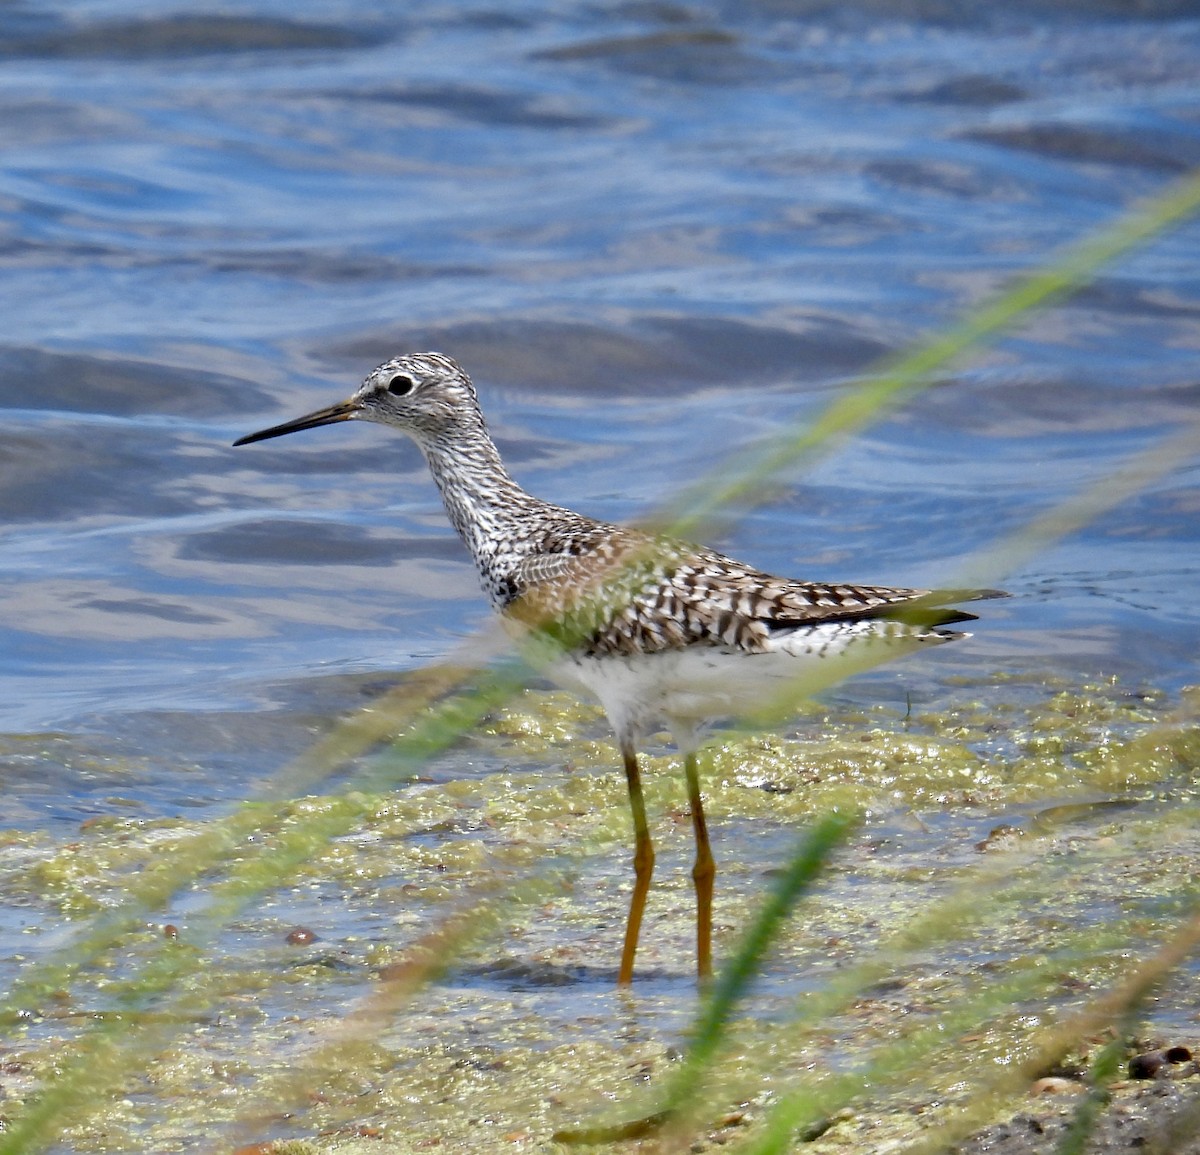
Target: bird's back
x,y
609,591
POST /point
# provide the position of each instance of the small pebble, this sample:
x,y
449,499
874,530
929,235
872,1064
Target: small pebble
x,y
1054,1085
1002,837
1148,1064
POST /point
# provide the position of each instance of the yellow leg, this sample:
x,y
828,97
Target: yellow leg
x,y
703,872
643,864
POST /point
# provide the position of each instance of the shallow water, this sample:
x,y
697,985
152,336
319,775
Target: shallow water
x,y
655,235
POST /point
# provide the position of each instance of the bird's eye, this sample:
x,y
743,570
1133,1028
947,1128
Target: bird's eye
x,y
400,385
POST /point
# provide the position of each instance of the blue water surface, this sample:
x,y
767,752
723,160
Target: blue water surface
x,y
656,235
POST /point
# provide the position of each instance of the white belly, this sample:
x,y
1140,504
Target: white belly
x,y
685,688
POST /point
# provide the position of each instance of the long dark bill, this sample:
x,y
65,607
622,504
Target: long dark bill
x,y
331,414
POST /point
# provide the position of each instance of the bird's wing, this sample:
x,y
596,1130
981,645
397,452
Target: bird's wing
x,y
787,603
544,569
616,591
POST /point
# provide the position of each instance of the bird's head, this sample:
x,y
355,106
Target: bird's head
x,y
424,394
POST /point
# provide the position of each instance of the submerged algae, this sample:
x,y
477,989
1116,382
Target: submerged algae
x,y
517,1031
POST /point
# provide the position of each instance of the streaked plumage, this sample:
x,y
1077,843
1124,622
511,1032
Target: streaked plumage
x,y
658,630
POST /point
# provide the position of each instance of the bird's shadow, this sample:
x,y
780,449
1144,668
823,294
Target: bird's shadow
x,y
516,974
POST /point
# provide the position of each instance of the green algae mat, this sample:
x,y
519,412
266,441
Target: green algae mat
x,y
1012,897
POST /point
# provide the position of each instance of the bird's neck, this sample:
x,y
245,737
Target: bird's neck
x,y
484,504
